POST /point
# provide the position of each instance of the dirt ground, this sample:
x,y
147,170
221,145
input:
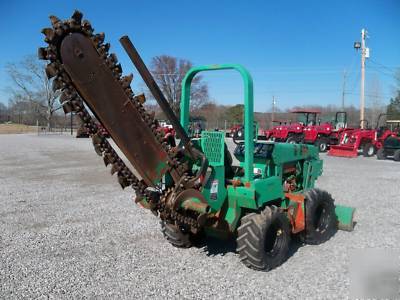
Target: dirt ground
x,y
16,128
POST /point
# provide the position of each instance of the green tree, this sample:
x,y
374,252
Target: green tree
x,y
393,109
234,114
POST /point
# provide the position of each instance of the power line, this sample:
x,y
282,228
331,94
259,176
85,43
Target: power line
x,y
356,80
383,66
392,75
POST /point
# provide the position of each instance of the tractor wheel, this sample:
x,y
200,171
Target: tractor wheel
x,y
175,235
396,155
322,145
368,150
380,154
291,140
263,239
320,217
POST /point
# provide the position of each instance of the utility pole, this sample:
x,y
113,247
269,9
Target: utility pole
x,y
273,111
344,87
364,55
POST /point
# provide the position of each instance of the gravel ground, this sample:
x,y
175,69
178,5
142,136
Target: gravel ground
x,y
68,230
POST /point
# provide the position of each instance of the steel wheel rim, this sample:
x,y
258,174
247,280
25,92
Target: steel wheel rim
x,y
274,239
371,151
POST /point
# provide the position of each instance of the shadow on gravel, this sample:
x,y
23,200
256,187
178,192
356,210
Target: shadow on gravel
x,y
213,246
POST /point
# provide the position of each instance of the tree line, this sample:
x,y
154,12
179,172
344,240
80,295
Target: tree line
x,y
32,100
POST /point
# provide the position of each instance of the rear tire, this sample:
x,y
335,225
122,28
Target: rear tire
x,y
368,150
396,155
380,154
175,235
291,140
320,217
263,239
322,145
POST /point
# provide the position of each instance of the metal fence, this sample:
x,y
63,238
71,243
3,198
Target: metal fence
x,y
44,130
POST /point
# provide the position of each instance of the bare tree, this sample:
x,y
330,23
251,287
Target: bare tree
x,y
168,72
31,85
375,101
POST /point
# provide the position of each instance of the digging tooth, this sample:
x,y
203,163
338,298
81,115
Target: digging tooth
x,y
59,29
115,168
54,21
97,138
126,81
103,50
77,105
65,96
77,16
67,107
42,53
49,34
122,181
106,159
129,92
99,38
51,70
75,21
97,149
106,47
141,98
51,53
113,58
57,84
87,27
118,69
63,76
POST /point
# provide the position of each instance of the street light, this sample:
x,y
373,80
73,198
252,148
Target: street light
x,y
357,45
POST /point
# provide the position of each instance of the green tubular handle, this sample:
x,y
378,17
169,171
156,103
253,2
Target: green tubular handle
x,y
248,108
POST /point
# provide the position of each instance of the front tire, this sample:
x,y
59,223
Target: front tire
x,y
320,217
291,140
368,150
175,235
263,239
322,145
381,154
396,155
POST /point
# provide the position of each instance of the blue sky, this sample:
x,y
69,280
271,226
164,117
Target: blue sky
x,y
295,50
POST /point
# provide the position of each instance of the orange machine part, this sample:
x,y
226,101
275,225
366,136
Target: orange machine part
x,y
296,212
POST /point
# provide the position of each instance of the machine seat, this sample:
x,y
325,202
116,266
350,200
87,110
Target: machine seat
x,y
261,151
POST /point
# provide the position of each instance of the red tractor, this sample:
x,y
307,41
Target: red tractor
x,y
168,131
236,131
394,126
292,132
274,131
368,140
326,134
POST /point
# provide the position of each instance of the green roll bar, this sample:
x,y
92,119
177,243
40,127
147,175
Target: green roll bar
x,y
248,108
